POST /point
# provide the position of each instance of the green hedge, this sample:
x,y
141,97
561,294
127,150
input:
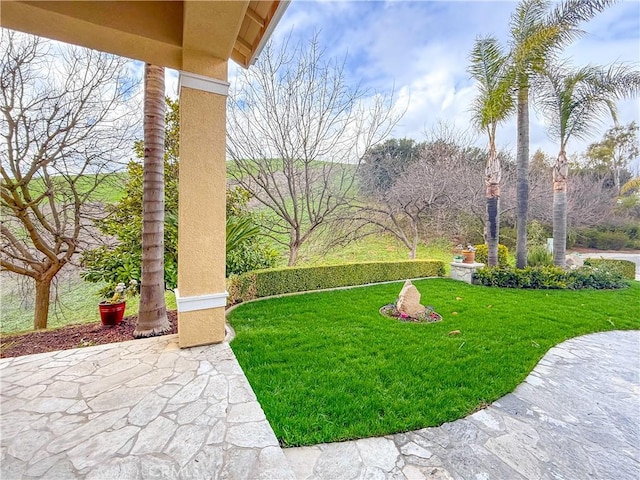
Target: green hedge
x,y
482,254
276,281
626,267
546,277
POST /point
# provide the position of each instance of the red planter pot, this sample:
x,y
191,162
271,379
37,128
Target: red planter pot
x,y
112,314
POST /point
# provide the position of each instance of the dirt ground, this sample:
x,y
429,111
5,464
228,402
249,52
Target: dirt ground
x,y
73,336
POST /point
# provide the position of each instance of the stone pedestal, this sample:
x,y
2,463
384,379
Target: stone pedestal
x,y
464,271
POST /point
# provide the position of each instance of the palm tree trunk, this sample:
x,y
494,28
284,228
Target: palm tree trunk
x,y
522,172
560,173
493,174
152,317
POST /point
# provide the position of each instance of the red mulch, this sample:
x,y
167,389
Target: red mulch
x,y
73,336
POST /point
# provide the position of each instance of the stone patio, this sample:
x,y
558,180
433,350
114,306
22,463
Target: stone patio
x,y
137,410
145,409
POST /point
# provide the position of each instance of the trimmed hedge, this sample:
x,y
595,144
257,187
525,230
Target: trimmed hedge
x,y
626,267
551,278
482,254
276,281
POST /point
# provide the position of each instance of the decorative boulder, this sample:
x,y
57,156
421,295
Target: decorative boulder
x,y
574,260
409,300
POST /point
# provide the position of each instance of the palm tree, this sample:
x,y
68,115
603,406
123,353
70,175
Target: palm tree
x,y
573,102
152,316
537,34
493,104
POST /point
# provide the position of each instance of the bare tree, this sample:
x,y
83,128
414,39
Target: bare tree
x,y
65,125
424,196
296,136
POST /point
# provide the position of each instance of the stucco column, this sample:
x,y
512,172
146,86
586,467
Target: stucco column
x,y
201,293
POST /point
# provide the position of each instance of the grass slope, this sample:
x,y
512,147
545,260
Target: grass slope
x,y
327,367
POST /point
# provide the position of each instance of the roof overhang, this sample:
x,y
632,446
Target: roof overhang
x,y
158,32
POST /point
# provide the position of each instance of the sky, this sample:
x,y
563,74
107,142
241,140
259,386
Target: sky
x,y
419,49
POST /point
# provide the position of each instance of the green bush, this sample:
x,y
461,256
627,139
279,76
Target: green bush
x,y
626,267
276,281
603,277
482,253
539,256
608,237
549,277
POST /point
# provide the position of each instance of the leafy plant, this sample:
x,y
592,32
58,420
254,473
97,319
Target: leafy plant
x,y
482,252
550,277
626,267
121,292
539,256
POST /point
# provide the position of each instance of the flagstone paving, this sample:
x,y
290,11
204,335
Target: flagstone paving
x,y
136,410
576,417
146,409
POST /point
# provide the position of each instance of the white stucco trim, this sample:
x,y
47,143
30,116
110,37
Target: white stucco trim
x,y
201,302
200,82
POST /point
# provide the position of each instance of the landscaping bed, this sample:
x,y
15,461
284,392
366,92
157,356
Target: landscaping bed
x,y
72,336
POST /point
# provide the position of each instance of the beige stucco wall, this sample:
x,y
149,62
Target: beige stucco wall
x,y
201,234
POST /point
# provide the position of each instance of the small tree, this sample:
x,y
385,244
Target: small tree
x,y
425,191
296,136
65,126
617,149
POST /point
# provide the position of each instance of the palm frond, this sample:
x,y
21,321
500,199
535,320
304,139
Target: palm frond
x,y
489,68
575,101
239,230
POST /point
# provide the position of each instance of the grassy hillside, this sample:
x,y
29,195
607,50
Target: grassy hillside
x,y
77,299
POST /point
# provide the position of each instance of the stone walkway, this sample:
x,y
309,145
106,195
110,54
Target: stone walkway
x,y
146,409
576,417
136,410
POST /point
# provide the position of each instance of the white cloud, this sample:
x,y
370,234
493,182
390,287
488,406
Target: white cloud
x,y
420,49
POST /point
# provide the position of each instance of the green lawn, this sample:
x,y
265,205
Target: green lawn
x,y
328,367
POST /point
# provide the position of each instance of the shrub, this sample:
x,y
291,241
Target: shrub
x,y
610,237
539,256
626,267
549,277
482,253
276,281
606,276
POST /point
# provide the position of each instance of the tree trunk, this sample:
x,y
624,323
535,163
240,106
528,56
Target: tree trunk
x,y
560,173
43,292
293,254
414,242
522,171
152,316
493,220
493,174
